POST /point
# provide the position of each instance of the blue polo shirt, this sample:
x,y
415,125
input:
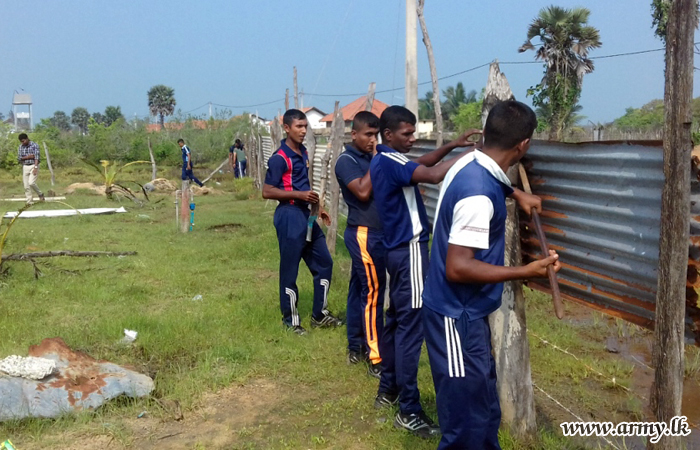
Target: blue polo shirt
x,y
289,171
186,155
352,165
398,200
471,212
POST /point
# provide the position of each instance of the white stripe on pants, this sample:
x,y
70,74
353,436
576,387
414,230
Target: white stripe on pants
x,y
29,180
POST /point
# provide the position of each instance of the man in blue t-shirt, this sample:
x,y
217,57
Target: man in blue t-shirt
x,y
406,231
187,173
287,180
465,281
364,241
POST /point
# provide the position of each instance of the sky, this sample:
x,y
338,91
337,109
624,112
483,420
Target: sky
x,y
240,53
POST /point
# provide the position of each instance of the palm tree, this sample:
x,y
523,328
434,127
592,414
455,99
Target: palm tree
x,y
80,118
161,102
112,114
455,96
426,107
565,41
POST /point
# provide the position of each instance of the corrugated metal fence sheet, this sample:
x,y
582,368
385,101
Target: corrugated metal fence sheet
x,y
266,148
602,208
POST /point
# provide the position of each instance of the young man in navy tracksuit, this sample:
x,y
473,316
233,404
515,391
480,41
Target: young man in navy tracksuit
x,y
466,276
364,241
406,232
287,181
187,163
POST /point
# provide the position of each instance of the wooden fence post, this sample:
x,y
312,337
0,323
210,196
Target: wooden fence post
x,y
669,329
153,161
310,144
325,161
508,325
185,206
48,163
335,147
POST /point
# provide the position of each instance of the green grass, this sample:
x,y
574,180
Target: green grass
x,y
234,337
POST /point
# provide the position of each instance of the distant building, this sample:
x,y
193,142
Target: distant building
x,y
425,128
353,108
314,116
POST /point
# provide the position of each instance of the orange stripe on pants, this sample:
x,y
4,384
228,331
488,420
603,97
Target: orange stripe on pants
x,y
372,297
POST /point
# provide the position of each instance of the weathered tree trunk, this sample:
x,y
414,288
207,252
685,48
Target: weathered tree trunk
x,y
335,147
48,163
433,75
411,89
667,356
215,170
370,96
508,324
154,171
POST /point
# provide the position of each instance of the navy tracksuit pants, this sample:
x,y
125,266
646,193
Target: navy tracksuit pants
x,y
403,330
188,175
291,223
365,308
464,374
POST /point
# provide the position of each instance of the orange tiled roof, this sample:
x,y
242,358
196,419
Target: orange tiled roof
x,y
155,127
355,107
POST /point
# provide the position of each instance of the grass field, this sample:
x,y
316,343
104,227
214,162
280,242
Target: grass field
x,y
240,380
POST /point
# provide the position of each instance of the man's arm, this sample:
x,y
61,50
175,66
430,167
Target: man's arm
x,y
462,267
361,187
434,157
274,193
435,174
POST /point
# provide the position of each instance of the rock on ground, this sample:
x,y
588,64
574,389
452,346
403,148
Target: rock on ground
x,y
81,382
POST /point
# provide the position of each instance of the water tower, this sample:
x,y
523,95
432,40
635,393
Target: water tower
x,y
19,102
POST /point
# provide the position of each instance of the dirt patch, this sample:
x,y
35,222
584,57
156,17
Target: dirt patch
x,y
225,227
91,187
234,416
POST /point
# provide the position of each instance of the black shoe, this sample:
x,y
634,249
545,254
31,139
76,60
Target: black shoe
x,y
385,400
375,370
419,424
356,357
297,329
328,321
42,198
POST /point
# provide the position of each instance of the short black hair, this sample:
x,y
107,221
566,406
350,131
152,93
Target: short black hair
x,y
291,115
180,140
238,141
365,118
23,136
508,124
393,116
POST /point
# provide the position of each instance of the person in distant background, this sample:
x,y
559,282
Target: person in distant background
x,y
28,156
187,163
240,162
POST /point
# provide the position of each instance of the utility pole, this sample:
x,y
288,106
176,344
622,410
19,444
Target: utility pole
x,y
669,327
301,98
286,99
296,91
411,90
209,110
